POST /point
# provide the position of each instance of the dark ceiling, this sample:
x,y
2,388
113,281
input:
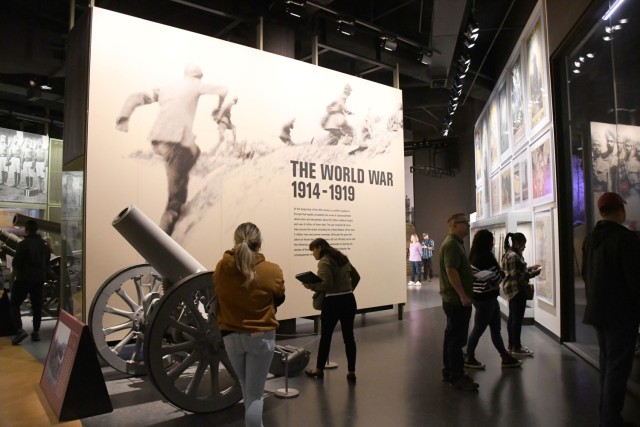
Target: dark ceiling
x,y
33,35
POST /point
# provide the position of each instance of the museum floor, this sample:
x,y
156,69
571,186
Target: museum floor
x,y
398,383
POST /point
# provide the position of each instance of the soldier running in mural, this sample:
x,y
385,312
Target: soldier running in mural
x,y
335,120
171,135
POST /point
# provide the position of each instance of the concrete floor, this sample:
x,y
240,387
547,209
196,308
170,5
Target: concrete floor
x,y
399,384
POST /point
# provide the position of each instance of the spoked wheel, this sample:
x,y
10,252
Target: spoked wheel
x,y
51,289
119,313
185,354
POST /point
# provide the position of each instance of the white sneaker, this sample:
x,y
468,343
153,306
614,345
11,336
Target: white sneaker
x,y
418,284
410,284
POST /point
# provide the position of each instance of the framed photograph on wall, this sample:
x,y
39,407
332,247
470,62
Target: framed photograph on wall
x,y
542,185
493,126
505,134
495,194
506,196
537,85
521,181
479,151
479,203
516,107
543,255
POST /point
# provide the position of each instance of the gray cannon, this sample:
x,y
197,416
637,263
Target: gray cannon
x,y
159,318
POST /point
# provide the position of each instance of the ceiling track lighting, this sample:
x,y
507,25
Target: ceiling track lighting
x,y
346,26
388,43
295,8
469,44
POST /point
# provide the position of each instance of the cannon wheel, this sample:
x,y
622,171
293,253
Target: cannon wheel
x,y
185,353
51,289
123,302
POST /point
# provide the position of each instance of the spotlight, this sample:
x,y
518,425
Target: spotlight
x,y
471,36
457,83
590,55
346,26
464,59
294,7
469,44
424,57
445,132
388,43
473,27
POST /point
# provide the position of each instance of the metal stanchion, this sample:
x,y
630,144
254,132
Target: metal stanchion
x,y
286,392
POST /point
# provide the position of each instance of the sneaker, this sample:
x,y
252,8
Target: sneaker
x,y
418,284
471,363
510,362
20,336
35,336
464,383
410,284
521,351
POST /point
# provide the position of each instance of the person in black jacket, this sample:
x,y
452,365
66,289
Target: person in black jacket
x,y
30,268
486,288
611,274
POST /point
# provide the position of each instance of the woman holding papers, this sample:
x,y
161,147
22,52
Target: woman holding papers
x,y
339,279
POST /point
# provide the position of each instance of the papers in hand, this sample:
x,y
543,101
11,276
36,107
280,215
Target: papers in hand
x,y
308,277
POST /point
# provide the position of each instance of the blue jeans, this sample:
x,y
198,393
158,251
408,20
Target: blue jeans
x,y
416,270
250,356
455,337
617,346
487,314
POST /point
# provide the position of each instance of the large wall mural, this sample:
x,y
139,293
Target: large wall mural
x,y
202,134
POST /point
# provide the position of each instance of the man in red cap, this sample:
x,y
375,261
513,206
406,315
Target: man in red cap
x,y
611,274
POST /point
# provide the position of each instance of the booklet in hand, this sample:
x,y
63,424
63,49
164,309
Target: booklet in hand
x,y
308,277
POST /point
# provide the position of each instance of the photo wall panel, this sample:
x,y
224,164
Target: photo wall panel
x,y
24,167
542,170
537,82
280,151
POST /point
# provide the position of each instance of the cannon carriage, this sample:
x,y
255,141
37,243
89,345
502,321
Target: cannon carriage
x,y
159,319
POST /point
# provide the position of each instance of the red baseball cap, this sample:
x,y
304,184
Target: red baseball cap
x,y
610,201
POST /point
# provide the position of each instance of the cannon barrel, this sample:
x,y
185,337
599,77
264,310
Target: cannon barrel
x,y
10,242
169,259
20,220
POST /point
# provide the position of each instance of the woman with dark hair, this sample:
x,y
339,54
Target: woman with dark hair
x,y
339,279
248,289
486,287
515,288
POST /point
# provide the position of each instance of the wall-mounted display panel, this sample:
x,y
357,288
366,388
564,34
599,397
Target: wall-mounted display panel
x,y
505,134
537,85
521,181
495,194
516,107
542,173
286,149
543,255
24,165
493,124
506,187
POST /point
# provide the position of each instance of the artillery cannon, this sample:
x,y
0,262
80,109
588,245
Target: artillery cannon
x,y
159,318
51,289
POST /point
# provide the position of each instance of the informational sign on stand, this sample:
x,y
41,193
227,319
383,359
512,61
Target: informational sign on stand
x,y
72,380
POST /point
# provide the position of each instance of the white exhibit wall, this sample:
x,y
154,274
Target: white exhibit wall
x,y
284,189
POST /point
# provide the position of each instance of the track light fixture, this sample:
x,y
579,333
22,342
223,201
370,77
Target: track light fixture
x,y
469,44
388,43
473,27
424,57
464,59
295,8
346,26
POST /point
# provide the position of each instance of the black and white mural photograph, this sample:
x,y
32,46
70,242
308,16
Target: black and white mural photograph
x,y
24,162
203,134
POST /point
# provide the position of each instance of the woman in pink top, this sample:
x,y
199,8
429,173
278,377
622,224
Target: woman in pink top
x,y
415,258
